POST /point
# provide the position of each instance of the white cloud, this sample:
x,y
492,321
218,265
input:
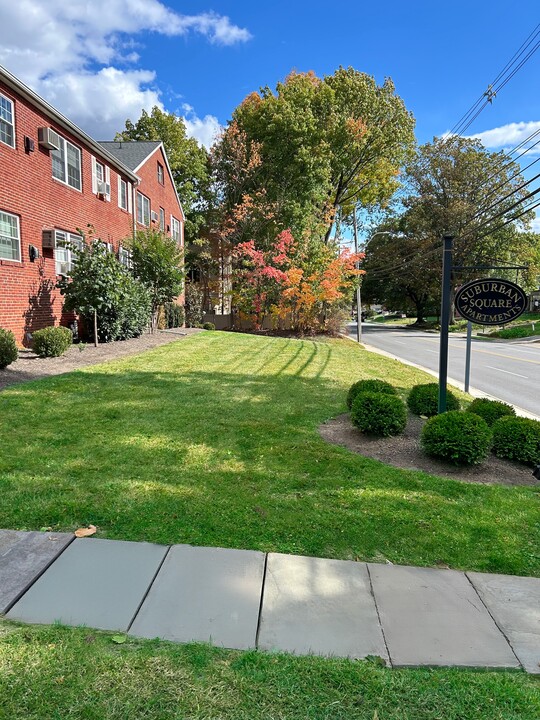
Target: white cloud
x,y
74,53
508,136
204,130
535,224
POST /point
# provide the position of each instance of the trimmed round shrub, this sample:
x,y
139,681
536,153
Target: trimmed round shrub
x,y
52,341
379,414
461,438
424,400
8,348
490,410
209,326
376,386
517,438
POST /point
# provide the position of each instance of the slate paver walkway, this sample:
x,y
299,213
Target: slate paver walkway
x,y
246,599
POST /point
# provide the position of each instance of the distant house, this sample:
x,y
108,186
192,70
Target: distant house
x,y
56,180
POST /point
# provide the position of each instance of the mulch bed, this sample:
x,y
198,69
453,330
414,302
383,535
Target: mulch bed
x,y
31,367
404,451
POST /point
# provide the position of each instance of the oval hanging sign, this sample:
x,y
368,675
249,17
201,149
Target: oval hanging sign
x,y
490,301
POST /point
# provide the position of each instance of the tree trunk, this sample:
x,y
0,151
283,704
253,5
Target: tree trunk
x,y
96,342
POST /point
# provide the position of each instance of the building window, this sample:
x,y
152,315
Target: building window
x,y
10,237
66,164
67,246
143,209
162,219
7,121
160,174
175,229
122,194
124,256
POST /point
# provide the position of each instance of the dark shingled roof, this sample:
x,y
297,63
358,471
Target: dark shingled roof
x,y
130,153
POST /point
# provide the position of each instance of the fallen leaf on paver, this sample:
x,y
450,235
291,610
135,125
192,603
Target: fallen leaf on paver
x,y
119,639
85,532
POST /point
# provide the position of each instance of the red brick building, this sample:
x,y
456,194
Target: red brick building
x,y
55,180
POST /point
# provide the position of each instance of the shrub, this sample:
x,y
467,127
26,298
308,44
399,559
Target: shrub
x,y
8,348
52,341
460,438
376,386
194,305
379,414
209,326
517,438
174,315
424,400
490,410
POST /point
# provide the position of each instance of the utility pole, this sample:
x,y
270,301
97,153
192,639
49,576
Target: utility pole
x,y
445,318
358,292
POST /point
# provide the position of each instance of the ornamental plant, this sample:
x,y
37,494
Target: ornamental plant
x,y
8,348
424,400
377,386
458,437
379,414
490,410
52,341
517,438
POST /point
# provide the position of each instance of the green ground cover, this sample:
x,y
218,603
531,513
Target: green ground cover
x,y
213,441
59,673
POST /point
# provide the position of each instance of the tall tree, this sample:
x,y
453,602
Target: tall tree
x,y
320,144
187,159
453,185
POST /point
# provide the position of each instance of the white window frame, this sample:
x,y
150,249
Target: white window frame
x,y
100,173
5,121
160,173
122,184
162,219
66,145
143,209
12,238
125,257
64,264
176,229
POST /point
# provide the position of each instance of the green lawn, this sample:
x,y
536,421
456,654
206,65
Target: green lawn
x,y
58,674
213,441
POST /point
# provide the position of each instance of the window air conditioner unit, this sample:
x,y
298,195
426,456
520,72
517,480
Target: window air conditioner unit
x,y
154,216
103,188
47,239
48,138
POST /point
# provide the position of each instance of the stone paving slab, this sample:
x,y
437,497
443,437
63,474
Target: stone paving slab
x,y
514,602
319,606
97,583
204,594
23,557
435,617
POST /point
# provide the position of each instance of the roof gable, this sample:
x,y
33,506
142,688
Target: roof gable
x,y
131,153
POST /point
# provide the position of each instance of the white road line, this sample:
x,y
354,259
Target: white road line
x,y
399,342
434,352
507,372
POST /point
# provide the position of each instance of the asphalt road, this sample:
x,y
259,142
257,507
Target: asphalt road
x,y
507,371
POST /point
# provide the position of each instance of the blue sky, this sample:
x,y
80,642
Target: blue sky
x,y
103,61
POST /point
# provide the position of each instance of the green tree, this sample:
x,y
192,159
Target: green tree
x,y
158,263
312,147
105,294
188,161
453,185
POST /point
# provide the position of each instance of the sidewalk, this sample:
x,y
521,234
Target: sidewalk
x,y
245,599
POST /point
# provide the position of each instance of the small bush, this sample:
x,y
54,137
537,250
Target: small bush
x,y
460,438
424,400
52,341
376,386
379,414
209,326
490,410
194,305
517,438
174,315
8,348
